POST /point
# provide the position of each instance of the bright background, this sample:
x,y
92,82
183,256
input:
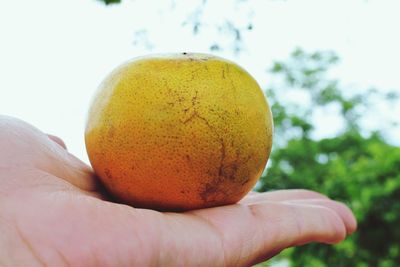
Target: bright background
x,y
54,53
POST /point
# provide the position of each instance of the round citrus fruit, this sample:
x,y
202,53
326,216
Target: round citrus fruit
x,y
179,132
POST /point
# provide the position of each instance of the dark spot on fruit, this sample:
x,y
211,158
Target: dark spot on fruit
x,y
214,192
245,181
108,173
209,192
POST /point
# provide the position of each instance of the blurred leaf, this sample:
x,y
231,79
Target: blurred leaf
x,y
108,2
392,95
215,47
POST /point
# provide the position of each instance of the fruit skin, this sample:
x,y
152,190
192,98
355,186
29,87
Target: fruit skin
x,y
177,132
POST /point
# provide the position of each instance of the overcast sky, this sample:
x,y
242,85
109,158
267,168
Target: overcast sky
x,y
53,53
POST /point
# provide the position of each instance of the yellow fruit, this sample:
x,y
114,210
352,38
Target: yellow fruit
x,y
179,132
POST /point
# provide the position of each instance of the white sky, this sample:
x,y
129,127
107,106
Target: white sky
x,y
54,53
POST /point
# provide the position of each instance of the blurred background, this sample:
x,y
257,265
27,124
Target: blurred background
x,y
330,70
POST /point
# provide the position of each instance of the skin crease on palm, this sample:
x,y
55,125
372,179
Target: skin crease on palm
x,y
54,213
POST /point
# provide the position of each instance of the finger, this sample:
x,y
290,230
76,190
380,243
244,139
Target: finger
x,y
26,146
255,232
57,140
282,195
68,167
64,165
298,225
342,210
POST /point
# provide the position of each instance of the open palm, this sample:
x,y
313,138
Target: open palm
x,y
54,213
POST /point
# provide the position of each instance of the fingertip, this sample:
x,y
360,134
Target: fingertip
x,y
348,218
344,212
352,225
339,232
318,224
57,140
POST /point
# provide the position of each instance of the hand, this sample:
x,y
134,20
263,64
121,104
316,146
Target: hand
x,y
53,213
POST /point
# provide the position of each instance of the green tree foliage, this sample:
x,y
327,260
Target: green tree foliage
x,y
362,170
